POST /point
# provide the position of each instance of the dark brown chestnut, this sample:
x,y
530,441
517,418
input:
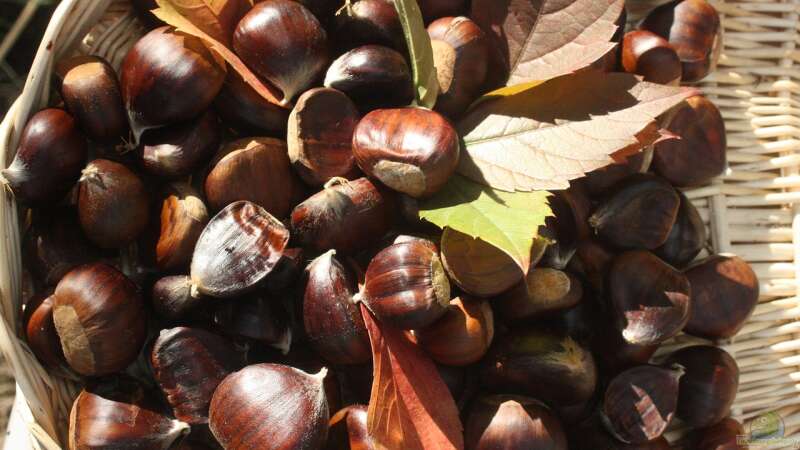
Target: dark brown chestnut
x,y
687,238
239,174
245,110
462,335
176,151
418,166
477,267
258,316
49,158
113,204
238,248
709,386
699,155
693,28
91,93
640,403
513,422
172,298
592,260
331,317
348,430
270,407
188,365
183,217
649,298
460,53
725,435
435,9
119,413
724,295
368,22
651,56
287,271
100,319
599,182
348,216
161,64
40,332
282,41
320,136
544,290
405,285
591,434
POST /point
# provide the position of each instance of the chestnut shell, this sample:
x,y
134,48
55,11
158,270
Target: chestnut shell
x,y
513,422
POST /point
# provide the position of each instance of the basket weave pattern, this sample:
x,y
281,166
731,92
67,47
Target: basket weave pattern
x,y
751,211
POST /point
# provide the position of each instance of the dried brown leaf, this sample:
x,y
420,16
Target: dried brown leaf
x,y
217,18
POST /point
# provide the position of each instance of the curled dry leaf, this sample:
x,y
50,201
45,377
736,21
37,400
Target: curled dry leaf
x,y
217,18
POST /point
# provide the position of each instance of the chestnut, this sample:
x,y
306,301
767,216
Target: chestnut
x,y
348,430
100,319
687,238
162,63
462,335
119,413
405,285
113,204
410,150
143,10
331,317
513,422
238,248
477,267
242,108
544,290
367,22
699,155
270,407
592,260
597,183
239,174
591,434
649,298
188,365
460,53
724,435
651,56
256,316
724,295
172,297
287,271
348,217
40,332
709,386
49,158
640,403
177,151
282,41
91,93
183,217
435,9
320,136
693,28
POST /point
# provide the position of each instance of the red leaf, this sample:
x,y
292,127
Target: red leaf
x,y
411,407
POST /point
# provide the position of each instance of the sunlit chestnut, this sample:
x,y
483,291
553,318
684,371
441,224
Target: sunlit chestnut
x,y
172,298
724,294
373,76
183,217
176,151
411,150
687,237
40,332
725,435
258,316
348,430
282,41
699,154
477,267
100,319
245,110
513,422
651,56
320,136
543,290
270,407
113,204
462,335
49,158
693,28
368,22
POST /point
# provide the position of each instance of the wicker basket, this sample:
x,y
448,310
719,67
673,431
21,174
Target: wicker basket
x,y
750,211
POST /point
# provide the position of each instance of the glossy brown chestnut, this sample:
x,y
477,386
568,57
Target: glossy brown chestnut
x,y
172,298
435,9
460,53
91,93
118,413
113,205
599,182
640,403
725,435
188,365
410,150
476,267
258,316
245,110
40,332
699,155
161,64
368,22
406,285
348,217
183,218
238,248
270,407
320,136
100,318
348,430
724,295
49,158
693,28
176,151
687,237
544,290
651,56
592,260
462,335
239,174
709,386
649,298
513,422
331,317
282,41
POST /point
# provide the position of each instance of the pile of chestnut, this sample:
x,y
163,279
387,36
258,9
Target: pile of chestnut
x,y
197,255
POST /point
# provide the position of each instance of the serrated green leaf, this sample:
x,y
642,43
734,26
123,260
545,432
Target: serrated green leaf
x,y
509,221
426,85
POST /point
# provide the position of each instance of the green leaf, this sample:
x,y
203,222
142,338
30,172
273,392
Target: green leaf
x,y
509,221
419,48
